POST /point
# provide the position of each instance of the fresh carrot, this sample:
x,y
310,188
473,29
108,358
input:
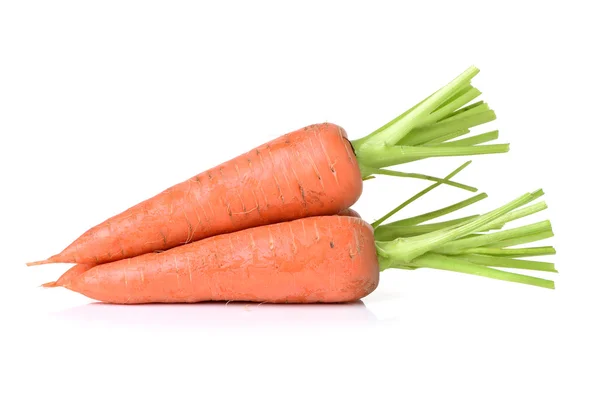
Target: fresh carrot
x,y
312,171
319,259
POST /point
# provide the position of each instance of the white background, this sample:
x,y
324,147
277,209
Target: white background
x,y
103,104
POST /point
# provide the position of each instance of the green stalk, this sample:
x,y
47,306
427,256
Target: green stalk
x,y
418,195
390,232
470,141
463,110
523,239
466,112
414,134
394,132
458,94
381,171
506,262
436,261
464,97
458,245
514,253
449,136
438,213
358,143
405,250
394,155
511,216
455,246
428,133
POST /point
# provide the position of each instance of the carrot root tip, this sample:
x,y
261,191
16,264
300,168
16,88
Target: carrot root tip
x,y
31,264
49,284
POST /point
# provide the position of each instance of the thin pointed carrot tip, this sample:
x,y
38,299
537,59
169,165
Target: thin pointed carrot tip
x,y
49,284
31,264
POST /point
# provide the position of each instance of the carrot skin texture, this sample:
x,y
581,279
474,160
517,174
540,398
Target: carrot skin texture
x,y
317,259
309,172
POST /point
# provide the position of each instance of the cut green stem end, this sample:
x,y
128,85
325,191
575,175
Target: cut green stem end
x,y
506,262
467,267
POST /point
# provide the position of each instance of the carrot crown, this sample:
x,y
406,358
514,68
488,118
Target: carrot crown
x,y
468,244
426,130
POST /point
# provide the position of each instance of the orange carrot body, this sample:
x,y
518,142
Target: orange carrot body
x,y
308,172
317,259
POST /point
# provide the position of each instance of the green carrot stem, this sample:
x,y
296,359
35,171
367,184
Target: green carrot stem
x,y
441,116
380,171
440,212
389,232
403,250
461,98
393,155
467,112
390,135
369,139
463,110
522,239
441,262
513,215
470,141
449,136
506,262
442,128
457,246
515,253
452,98
418,195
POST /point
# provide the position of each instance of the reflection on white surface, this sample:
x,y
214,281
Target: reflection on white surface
x,y
220,315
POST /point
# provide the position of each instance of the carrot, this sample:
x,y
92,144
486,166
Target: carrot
x,y
312,171
315,259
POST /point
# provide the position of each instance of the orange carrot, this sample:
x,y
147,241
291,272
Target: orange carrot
x,y
315,259
318,259
309,172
